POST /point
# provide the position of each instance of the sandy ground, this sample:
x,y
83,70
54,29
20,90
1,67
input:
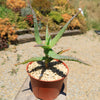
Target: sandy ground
x,y
83,81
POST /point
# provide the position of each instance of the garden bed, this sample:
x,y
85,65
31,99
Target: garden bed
x,y
17,26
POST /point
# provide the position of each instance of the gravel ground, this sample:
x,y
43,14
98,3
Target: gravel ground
x,y
83,81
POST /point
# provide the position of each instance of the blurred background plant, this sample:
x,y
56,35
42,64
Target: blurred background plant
x,y
2,2
56,17
26,11
3,44
15,5
75,24
7,13
43,6
20,22
7,33
14,18
29,19
7,30
60,5
91,9
55,13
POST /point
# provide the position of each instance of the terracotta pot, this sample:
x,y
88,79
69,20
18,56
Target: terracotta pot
x,y
46,90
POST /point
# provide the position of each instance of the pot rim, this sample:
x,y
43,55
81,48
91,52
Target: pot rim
x,y
48,81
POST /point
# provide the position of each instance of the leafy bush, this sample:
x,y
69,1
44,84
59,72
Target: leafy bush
x,y
53,26
15,5
56,16
60,5
2,2
29,19
14,18
7,30
71,11
20,22
74,24
43,6
26,11
5,12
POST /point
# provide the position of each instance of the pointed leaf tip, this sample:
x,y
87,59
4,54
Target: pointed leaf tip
x,y
60,33
36,30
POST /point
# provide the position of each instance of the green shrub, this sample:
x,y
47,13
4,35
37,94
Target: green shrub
x,y
22,25
6,13
60,5
20,22
71,11
56,16
13,17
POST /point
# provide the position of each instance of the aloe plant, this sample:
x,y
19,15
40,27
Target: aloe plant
x,y
50,54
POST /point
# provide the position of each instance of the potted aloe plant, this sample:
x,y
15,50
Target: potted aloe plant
x,y
48,72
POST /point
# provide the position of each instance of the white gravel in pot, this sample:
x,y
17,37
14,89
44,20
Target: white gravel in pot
x,y
54,72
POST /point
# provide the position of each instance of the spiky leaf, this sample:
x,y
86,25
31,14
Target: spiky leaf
x,y
36,31
43,46
47,37
32,59
69,58
60,33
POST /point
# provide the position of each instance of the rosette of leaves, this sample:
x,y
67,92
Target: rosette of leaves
x,y
50,54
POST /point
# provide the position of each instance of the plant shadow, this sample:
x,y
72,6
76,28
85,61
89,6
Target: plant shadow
x,y
61,92
50,66
53,69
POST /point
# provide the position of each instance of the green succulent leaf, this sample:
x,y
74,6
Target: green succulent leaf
x,y
43,46
36,31
52,54
32,59
60,33
47,37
